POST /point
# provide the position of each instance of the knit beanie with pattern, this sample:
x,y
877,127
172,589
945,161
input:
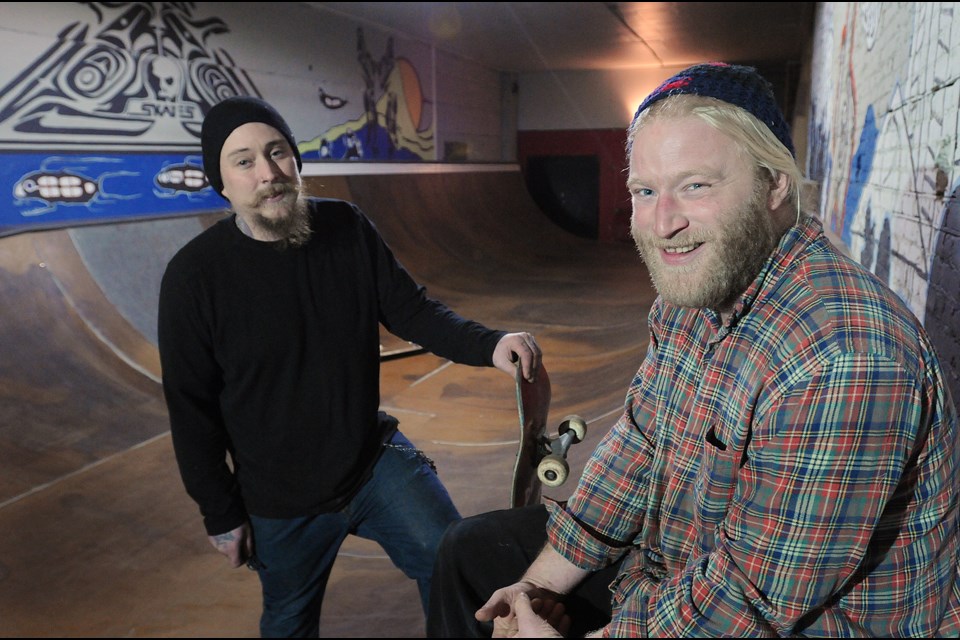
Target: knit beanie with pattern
x,y
738,85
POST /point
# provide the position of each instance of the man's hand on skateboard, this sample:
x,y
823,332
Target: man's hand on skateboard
x,y
514,346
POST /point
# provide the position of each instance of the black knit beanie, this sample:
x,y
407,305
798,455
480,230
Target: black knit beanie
x,y
738,85
226,116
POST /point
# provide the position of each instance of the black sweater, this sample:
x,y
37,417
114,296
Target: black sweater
x,y
272,356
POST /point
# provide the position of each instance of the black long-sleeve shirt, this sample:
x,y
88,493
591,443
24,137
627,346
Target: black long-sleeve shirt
x,y
273,356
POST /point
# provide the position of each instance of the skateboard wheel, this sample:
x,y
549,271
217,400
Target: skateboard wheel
x,y
553,470
576,424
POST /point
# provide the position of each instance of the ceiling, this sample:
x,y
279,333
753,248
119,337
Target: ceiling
x,y
554,36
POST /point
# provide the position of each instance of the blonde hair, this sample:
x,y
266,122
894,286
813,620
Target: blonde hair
x,y
756,140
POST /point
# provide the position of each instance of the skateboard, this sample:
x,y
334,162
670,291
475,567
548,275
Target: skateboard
x,y
410,349
541,459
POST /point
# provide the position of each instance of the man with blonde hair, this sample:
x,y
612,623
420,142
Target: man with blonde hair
x,y
787,460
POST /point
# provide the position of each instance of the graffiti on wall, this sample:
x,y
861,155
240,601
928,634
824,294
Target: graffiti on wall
x,y
104,125
393,124
887,163
884,146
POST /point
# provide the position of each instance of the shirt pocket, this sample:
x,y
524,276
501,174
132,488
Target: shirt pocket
x,y
716,478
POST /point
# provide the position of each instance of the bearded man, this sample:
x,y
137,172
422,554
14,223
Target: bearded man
x,y
269,328
787,460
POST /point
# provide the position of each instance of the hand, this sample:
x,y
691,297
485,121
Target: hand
x,y
514,346
544,615
499,608
236,545
540,618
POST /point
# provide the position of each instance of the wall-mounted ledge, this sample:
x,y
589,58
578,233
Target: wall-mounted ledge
x,y
322,168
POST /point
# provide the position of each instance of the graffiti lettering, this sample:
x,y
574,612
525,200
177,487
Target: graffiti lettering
x,y
162,109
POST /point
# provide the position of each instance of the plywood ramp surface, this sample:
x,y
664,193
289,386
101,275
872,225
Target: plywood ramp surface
x,y
99,536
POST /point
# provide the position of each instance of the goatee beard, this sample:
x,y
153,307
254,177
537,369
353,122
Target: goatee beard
x,y
291,230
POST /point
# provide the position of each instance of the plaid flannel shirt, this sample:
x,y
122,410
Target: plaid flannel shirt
x,y
794,472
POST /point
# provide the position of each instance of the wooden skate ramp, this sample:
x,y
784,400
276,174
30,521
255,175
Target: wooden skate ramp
x,y
100,538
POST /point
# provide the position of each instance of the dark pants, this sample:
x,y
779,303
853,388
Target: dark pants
x,y
403,506
482,553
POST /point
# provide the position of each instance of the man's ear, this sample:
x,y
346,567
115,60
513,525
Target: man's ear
x,y
780,190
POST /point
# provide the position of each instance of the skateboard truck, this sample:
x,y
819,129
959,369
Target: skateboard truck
x,y
554,469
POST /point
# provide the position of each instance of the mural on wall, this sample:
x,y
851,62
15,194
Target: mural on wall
x,y
887,159
104,125
392,124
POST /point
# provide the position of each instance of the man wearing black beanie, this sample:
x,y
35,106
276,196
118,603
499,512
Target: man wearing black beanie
x,y
269,344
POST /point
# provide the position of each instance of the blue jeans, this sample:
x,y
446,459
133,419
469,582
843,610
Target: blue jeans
x,y
404,507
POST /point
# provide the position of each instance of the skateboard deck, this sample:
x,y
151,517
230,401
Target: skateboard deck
x,y
541,459
533,404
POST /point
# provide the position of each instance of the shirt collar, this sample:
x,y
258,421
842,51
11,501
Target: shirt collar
x,y
791,247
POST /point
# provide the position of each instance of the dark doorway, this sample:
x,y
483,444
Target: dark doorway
x,y
567,189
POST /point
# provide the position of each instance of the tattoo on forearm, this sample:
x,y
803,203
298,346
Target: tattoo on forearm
x,y
224,539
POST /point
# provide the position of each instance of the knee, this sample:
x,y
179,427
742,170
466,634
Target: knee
x,y
489,537
458,535
466,548
467,533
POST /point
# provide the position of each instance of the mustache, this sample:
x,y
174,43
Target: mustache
x,y
276,190
654,243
